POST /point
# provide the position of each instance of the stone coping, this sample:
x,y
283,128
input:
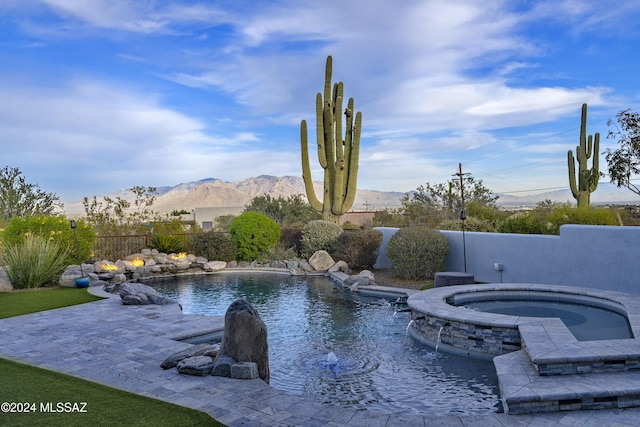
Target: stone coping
x,y
547,340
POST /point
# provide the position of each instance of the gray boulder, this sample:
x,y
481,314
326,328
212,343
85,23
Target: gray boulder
x,y
321,261
196,365
222,365
215,266
194,350
364,278
141,294
244,371
244,340
5,284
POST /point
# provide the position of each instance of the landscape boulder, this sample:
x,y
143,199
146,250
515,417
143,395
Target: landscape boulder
x,y
364,278
5,284
215,266
244,340
141,294
196,365
321,261
210,350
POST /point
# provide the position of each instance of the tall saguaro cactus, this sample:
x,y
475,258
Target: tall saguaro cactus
x,y
587,181
337,156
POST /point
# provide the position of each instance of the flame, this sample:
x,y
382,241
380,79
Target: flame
x,y
109,267
179,256
137,262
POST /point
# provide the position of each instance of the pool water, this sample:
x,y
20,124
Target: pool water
x,y
329,345
586,323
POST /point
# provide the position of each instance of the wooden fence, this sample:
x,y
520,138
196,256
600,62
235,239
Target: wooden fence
x,y
113,248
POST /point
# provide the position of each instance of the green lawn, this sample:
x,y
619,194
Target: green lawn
x,y
31,301
43,389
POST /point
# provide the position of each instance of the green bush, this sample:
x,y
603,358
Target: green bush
x,y
166,243
470,224
291,238
319,235
547,218
254,234
358,248
417,252
53,228
280,253
34,261
214,246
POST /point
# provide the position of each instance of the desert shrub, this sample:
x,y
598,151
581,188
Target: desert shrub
x,y
291,238
470,224
358,248
214,246
547,218
417,252
166,243
280,253
34,261
523,223
319,235
254,234
53,228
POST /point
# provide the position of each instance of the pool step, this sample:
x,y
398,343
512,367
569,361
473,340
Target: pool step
x,y
554,350
523,390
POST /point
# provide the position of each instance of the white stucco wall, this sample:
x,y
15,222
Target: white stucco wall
x,y
605,257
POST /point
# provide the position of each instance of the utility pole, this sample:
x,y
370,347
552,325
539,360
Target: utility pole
x,y
463,215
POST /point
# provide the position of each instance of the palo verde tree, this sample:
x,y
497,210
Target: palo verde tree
x,y
117,215
432,204
20,199
337,156
624,162
587,179
293,211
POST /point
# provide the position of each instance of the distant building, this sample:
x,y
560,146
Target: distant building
x,y
360,219
206,217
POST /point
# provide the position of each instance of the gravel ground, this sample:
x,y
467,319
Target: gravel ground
x,y
385,277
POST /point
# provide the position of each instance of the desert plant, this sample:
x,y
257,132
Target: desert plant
x,y
166,243
291,238
585,181
417,252
214,246
280,253
254,234
53,228
34,262
470,224
358,248
319,235
337,156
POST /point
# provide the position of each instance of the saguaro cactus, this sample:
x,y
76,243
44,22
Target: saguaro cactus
x,y
337,156
587,181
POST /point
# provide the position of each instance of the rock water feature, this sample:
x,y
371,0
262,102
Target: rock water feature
x,y
243,353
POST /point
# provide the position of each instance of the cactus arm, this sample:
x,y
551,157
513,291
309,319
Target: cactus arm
x,y
306,169
327,79
572,174
595,174
322,155
353,166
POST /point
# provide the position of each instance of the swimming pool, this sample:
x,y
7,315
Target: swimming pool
x,y
330,345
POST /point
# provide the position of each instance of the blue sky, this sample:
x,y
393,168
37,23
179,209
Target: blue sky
x,y
101,95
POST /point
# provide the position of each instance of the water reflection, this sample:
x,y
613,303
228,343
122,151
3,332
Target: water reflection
x,y
333,346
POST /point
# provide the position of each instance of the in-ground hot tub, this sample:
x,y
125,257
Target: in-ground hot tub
x,y
484,321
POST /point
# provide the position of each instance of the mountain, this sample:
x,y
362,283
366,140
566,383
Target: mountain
x,y
212,192
605,194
